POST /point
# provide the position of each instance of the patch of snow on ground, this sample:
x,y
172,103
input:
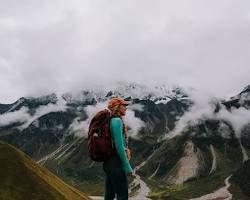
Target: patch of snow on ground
x,y
244,153
214,164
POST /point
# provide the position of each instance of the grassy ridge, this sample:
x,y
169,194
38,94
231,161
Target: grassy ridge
x,y
22,178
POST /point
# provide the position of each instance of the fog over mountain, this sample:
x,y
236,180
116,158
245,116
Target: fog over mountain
x,y
204,108
23,114
179,137
80,128
60,46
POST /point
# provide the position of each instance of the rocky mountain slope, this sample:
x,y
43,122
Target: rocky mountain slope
x,y
52,129
184,163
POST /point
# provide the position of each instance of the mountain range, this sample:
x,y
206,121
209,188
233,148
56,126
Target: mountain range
x,y
188,148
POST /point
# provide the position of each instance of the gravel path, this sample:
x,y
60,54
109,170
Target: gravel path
x,y
220,194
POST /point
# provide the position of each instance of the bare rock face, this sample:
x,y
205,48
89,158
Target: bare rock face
x,y
188,166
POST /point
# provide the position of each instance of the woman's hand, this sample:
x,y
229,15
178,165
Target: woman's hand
x,y
128,153
131,174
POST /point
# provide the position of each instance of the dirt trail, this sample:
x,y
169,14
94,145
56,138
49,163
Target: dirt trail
x,y
144,190
220,194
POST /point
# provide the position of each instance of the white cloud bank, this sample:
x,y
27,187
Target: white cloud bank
x,y
203,109
13,117
80,128
135,124
237,117
57,46
23,116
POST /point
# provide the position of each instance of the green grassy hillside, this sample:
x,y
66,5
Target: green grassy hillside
x,y
23,179
228,160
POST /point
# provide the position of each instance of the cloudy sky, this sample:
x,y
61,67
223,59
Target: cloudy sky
x,y
59,45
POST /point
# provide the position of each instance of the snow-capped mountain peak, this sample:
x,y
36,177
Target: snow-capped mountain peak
x,y
155,93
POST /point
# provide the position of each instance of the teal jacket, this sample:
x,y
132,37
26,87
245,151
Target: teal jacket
x,y
116,127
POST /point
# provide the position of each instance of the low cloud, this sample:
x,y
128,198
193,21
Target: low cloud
x,y
24,117
238,118
80,128
43,110
135,124
137,107
13,117
203,108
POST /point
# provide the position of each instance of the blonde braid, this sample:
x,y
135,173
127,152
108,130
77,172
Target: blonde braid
x,y
125,132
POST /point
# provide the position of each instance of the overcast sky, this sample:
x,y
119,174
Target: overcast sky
x,y
61,45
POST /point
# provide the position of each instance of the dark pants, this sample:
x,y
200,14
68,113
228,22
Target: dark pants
x,y
116,181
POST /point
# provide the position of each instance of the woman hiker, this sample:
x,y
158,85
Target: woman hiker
x,y
117,168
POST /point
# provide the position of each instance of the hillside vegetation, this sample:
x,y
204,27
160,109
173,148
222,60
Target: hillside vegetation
x,y
23,179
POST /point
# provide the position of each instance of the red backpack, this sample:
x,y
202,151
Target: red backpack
x,y
100,144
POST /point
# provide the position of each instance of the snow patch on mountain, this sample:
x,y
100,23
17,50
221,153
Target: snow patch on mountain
x,y
245,97
51,98
214,164
69,150
162,101
142,91
244,152
156,93
43,160
155,172
64,150
16,104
